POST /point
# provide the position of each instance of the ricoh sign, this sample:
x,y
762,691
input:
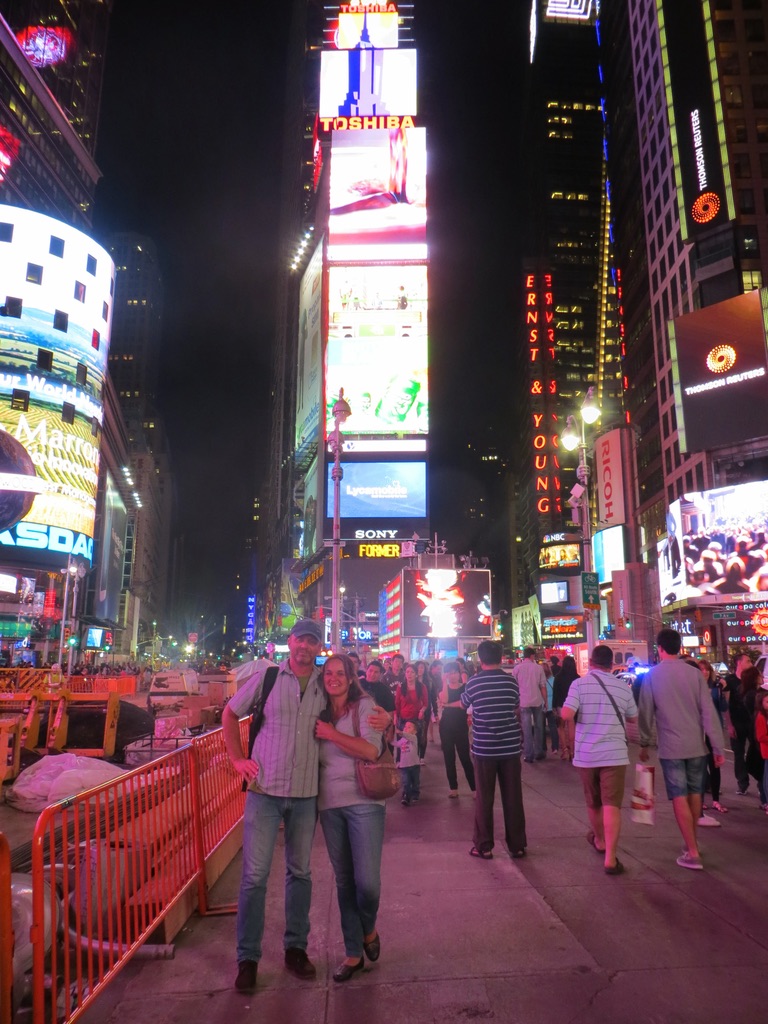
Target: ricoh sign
x,y
609,479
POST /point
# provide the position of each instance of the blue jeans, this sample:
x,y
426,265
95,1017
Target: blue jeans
x,y
261,822
532,719
410,779
354,836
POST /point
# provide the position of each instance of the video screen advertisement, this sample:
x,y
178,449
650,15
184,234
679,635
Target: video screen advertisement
x,y
310,368
56,289
720,371
111,550
446,603
358,29
378,319
378,197
716,547
368,83
382,500
705,197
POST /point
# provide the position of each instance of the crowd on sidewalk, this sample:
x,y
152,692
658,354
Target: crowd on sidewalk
x,y
314,727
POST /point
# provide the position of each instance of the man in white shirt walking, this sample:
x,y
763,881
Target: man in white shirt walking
x,y
532,682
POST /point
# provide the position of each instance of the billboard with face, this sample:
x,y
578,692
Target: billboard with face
x,y
57,287
378,195
446,603
720,371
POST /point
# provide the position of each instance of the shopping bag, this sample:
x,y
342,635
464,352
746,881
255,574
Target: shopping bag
x,y
643,809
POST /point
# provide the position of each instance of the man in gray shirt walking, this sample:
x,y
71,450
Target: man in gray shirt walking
x,y
675,696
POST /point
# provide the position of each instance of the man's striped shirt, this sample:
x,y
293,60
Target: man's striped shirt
x,y
494,698
601,740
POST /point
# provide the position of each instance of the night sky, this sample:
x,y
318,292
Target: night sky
x,y
189,146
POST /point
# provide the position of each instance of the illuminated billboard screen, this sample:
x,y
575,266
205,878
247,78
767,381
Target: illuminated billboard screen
x,y
391,399
446,603
562,628
367,83
380,490
378,29
377,302
720,371
308,375
716,545
56,299
378,196
46,45
564,557
111,553
309,537
554,593
696,115
608,552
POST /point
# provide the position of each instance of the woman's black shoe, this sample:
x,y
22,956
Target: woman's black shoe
x,y
345,971
372,949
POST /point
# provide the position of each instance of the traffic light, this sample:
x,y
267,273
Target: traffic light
x,y
627,623
67,632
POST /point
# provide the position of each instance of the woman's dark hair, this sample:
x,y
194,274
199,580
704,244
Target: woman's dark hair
x,y
416,665
750,680
419,682
567,671
355,690
435,667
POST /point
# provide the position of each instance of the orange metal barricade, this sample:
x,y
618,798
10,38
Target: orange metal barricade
x,y
36,680
6,933
120,858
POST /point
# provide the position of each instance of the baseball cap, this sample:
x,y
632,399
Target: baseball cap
x,y
308,627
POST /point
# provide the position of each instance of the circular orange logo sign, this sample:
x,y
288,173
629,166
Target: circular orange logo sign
x,y
760,622
705,208
721,358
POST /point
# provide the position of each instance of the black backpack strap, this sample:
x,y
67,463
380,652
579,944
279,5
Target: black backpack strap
x,y
257,710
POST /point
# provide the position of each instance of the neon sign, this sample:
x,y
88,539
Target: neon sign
x,y
574,10
539,318
9,150
344,124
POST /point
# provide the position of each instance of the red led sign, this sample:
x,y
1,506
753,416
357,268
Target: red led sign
x,y
539,319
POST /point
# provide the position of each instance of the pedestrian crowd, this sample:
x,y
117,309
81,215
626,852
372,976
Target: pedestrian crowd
x,y
314,726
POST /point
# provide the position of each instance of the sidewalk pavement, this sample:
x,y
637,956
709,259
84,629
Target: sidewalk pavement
x,y
544,940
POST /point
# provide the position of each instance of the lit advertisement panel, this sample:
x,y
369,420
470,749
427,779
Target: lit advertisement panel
x,y
367,83
720,371
717,544
377,302
46,45
378,198
569,10
308,376
392,398
376,29
608,552
56,303
562,628
380,490
446,603
111,553
695,115
563,557
309,541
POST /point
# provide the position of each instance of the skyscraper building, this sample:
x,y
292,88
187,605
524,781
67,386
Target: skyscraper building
x,y
690,219
571,335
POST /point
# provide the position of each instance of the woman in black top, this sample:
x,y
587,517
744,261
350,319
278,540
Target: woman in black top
x,y
454,728
561,684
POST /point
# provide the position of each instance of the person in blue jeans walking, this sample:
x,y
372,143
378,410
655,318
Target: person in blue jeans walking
x,y
353,824
532,682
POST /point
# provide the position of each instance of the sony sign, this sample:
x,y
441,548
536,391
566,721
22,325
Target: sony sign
x,y
609,479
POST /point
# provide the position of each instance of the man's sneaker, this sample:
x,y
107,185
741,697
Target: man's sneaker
x,y
690,861
298,963
246,976
707,821
742,792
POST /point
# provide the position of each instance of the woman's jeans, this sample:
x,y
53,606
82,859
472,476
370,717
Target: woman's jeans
x,y
354,836
261,822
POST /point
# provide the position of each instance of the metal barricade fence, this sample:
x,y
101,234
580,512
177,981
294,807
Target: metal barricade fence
x,y
6,933
119,858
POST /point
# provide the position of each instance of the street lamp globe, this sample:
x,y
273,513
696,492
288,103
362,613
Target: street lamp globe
x,y
571,436
590,410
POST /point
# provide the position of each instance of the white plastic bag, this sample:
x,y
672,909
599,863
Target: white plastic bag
x,y
55,777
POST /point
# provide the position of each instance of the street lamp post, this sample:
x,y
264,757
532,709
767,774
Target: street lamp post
x,y
341,412
69,573
77,575
574,436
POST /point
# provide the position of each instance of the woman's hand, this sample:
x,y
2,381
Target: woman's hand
x,y
379,719
324,730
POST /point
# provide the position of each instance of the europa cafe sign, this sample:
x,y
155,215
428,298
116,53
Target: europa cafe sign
x,y
540,327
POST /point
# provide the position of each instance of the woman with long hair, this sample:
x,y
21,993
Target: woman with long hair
x,y
566,731
435,685
411,705
454,729
353,825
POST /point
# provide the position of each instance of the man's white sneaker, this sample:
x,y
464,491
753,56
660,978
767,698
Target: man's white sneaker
x,y
707,821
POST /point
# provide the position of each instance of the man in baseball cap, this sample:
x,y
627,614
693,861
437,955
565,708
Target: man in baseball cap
x,y
308,627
